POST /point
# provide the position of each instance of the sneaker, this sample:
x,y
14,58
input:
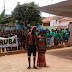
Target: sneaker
x,y
35,67
28,67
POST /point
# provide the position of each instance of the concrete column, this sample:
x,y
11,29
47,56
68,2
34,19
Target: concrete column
x,y
70,39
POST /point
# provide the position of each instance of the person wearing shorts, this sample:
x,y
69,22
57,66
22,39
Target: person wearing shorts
x,y
31,43
31,49
52,37
67,34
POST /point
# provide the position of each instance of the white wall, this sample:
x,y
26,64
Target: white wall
x,y
9,28
57,23
53,23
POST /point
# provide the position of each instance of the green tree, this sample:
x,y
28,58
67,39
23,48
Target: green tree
x,y
27,14
5,18
3,13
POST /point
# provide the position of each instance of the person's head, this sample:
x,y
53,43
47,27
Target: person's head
x,y
37,30
46,29
55,31
49,31
63,29
42,32
3,31
6,34
33,30
58,31
56,28
67,29
52,30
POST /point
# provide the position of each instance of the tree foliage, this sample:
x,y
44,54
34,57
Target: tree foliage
x,y
5,18
27,14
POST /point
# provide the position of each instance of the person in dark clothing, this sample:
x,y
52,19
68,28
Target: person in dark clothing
x,y
31,43
23,40
18,36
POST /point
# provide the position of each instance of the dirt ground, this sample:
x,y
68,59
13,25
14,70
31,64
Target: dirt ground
x,y
57,60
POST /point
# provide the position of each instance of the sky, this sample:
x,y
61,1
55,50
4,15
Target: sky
x,y
11,4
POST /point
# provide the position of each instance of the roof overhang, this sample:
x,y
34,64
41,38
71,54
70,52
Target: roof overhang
x,y
63,8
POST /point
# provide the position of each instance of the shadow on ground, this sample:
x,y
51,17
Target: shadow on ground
x,y
67,53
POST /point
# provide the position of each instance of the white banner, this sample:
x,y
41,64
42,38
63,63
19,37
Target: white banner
x,y
8,42
50,41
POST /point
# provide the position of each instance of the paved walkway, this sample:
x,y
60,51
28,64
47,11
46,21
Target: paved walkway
x,y
58,60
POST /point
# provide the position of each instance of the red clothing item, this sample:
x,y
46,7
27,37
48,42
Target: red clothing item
x,y
41,62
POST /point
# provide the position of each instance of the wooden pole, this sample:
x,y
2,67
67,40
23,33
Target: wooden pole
x,y
1,50
17,47
4,49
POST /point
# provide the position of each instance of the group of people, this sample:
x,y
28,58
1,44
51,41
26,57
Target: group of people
x,y
33,39
38,39
21,35
59,36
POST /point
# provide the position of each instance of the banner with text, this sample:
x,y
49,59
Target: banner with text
x,y
8,42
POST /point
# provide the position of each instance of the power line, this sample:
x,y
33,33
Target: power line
x,y
4,7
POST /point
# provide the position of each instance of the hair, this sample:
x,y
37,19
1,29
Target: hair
x,y
49,31
58,31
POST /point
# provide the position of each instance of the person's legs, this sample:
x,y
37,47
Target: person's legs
x,y
60,42
29,63
34,56
34,59
21,44
66,41
24,45
56,43
29,56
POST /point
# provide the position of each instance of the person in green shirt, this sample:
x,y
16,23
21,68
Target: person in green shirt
x,y
63,35
57,37
49,35
52,37
67,34
61,39
9,35
46,34
37,32
52,33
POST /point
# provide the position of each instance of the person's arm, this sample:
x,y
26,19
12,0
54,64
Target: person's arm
x,y
26,43
69,33
36,40
45,43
